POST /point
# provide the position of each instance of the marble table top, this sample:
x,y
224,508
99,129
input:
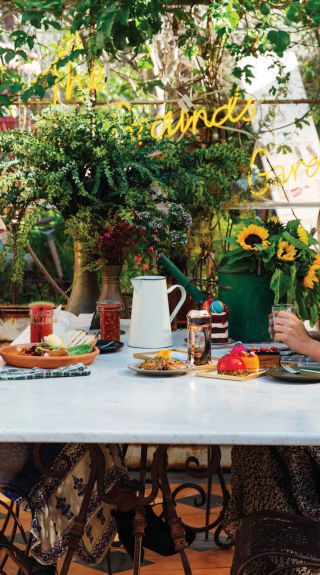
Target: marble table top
x,y
114,404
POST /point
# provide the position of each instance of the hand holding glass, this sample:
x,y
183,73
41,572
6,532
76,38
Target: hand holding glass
x,y
288,307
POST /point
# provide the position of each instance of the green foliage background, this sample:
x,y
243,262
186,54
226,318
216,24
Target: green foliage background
x,y
117,41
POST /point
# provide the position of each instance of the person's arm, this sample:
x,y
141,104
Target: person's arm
x,y
291,331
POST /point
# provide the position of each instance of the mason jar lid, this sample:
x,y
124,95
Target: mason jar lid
x,y
198,314
110,305
43,305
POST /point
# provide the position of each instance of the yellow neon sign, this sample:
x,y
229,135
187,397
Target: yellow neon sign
x,y
168,125
165,124
279,171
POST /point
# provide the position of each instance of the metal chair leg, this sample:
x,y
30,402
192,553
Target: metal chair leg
x,y
109,566
139,519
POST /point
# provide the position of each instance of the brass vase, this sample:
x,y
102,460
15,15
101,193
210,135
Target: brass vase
x,y
110,283
85,287
110,288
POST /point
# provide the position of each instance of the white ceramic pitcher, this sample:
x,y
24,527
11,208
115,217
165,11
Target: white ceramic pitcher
x,y
150,318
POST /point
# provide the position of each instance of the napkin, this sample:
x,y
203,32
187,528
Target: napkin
x,y
65,320
76,369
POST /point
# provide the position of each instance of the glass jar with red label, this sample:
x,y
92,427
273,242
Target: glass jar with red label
x,y
110,312
41,320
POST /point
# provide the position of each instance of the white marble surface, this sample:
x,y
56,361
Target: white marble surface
x,y
115,405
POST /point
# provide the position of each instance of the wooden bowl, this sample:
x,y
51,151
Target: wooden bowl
x,y
11,356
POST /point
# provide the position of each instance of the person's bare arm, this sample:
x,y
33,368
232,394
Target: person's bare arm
x,y
291,331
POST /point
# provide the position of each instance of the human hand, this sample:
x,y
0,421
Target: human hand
x,y
291,331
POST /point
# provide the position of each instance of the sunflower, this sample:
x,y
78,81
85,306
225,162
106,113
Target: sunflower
x,y
274,225
316,263
273,220
251,236
302,235
286,252
310,278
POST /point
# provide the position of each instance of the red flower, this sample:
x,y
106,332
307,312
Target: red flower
x,y
137,259
116,240
150,250
145,267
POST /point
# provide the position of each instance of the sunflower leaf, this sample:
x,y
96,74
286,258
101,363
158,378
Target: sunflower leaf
x,y
232,241
269,253
300,301
280,284
235,256
292,226
285,284
297,243
292,290
260,248
275,284
312,241
314,314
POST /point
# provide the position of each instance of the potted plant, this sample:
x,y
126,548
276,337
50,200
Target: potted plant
x,y
90,167
269,263
116,241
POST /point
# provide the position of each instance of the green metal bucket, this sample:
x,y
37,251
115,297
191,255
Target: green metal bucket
x,y
249,299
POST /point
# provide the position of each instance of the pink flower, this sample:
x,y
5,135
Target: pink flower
x,y
150,250
137,259
145,267
100,261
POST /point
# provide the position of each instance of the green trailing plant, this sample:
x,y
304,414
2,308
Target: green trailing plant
x,y
208,177
95,162
284,253
240,28
75,161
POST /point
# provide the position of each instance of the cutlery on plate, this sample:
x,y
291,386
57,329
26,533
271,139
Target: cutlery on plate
x,y
297,370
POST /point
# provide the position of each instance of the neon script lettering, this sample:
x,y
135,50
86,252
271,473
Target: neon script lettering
x,y
166,124
279,172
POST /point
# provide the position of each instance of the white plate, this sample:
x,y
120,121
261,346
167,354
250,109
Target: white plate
x,y
158,372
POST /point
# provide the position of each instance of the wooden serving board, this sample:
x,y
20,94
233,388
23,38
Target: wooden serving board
x,y
213,374
148,354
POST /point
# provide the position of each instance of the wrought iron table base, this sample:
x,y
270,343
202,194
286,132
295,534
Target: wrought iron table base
x,y
159,482
135,491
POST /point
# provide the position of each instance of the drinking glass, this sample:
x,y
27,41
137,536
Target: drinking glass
x,y
199,337
289,307
41,321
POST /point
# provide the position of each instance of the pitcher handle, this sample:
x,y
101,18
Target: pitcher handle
x,y
180,302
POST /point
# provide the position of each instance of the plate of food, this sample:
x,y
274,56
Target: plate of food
x,y
162,364
74,346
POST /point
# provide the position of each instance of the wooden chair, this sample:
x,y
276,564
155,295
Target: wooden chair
x,y
282,542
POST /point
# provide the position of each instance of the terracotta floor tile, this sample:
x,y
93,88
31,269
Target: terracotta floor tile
x,y
207,561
